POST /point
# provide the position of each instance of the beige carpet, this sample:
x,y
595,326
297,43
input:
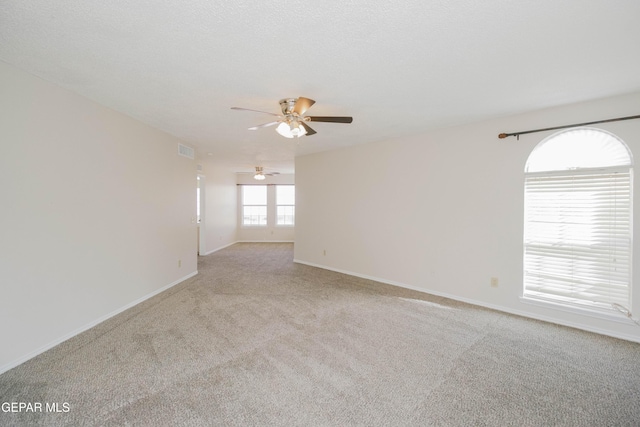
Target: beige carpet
x,y
255,339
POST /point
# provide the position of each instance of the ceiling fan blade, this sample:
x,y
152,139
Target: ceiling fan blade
x,y
308,129
255,111
302,105
264,125
329,119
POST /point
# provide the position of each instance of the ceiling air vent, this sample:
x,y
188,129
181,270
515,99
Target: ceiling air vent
x,y
185,151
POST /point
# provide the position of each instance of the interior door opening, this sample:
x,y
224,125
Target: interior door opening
x,y
200,213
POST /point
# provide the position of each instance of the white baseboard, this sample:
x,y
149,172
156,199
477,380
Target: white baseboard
x,y
527,314
90,325
265,241
245,241
218,249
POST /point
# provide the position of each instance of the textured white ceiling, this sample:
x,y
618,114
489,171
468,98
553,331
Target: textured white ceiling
x,y
398,68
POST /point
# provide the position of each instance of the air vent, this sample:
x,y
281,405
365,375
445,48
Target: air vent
x,y
199,168
185,151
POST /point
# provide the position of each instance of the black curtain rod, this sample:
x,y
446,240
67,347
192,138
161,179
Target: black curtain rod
x,y
517,134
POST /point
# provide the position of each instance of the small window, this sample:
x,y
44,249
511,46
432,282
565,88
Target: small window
x,y
254,205
577,224
285,204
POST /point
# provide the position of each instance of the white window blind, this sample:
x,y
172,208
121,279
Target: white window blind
x,y
577,238
285,204
254,205
577,228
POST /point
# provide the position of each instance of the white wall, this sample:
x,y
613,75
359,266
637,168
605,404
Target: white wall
x,y
97,213
220,208
271,232
442,212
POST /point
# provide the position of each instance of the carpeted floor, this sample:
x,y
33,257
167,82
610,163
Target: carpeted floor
x,y
255,339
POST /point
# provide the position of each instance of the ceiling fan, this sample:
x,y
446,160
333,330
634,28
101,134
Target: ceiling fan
x,y
292,122
260,174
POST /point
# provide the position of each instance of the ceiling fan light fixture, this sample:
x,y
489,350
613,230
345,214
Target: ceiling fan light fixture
x,y
297,129
259,175
284,130
292,129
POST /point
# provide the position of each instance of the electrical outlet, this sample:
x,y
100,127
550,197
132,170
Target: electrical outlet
x,y
324,252
179,263
494,282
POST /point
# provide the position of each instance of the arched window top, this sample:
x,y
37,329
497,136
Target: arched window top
x,y
580,148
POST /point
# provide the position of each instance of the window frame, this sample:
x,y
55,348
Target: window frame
x,y
277,206
243,205
531,293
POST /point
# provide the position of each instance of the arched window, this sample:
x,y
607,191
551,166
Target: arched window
x,y
577,224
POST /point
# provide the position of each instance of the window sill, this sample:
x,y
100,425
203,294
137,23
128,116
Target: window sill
x,y
610,315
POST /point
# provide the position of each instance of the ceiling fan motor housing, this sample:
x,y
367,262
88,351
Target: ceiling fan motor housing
x,y
287,105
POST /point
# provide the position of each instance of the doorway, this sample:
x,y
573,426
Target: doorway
x,y
200,213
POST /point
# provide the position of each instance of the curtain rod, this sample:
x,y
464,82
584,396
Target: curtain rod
x,y
517,134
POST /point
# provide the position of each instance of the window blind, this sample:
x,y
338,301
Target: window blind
x,y
285,204
254,205
577,237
